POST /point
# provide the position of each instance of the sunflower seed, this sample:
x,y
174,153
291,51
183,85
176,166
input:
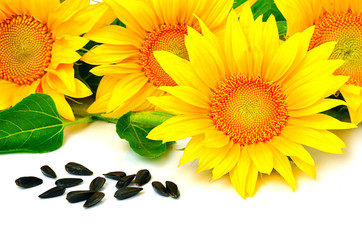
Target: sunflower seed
x,y
127,192
53,192
160,188
28,182
78,196
125,181
94,199
77,169
172,189
68,182
47,171
142,177
115,175
97,184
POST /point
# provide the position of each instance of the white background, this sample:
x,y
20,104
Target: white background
x,y
327,208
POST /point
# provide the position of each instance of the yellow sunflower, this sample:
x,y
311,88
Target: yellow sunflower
x,y
38,44
131,73
250,102
334,20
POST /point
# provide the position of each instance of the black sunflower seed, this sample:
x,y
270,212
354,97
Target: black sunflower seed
x,y
77,169
142,177
160,188
94,199
68,182
172,189
78,196
97,184
115,175
53,192
125,181
47,171
127,192
28,182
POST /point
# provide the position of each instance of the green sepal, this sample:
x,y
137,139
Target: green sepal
x,y
134,127
33,126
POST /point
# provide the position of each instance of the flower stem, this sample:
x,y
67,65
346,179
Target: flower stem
x,y
87,119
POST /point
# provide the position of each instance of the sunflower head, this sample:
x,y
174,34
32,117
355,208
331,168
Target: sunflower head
x,y
339,21
126,57
249,104
38,44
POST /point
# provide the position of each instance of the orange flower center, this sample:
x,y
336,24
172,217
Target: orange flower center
x,y
25,49
170,38
346,29
248,110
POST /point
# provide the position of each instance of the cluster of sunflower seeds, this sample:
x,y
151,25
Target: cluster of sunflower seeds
x,y
93,196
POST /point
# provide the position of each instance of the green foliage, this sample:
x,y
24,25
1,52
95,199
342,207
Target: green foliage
x,y
134,127
33,126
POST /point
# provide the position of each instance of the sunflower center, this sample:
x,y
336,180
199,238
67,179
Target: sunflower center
x,y
25,49
170,38
346,29
248,110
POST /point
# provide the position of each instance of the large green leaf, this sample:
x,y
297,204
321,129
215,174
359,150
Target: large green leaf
x,y
33,125
135,128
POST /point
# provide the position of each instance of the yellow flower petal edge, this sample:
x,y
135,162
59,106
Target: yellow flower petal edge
x,y
38,44
152,25
334,20
238,114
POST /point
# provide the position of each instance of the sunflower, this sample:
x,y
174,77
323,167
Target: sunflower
x,y
38,44
249,104
334,20
131,73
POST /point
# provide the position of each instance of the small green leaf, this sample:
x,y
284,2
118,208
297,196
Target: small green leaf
x,y
237,3
33,125
135,133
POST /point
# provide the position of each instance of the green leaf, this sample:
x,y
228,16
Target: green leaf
x,y
134,128
33,125
237,3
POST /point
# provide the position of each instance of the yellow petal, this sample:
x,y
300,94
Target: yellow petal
x,y
320,121
236,47
8,91
115,35
181,127
251,179
189,95
130,13
59,99
211,157
176,106
290,148
24,91
64,11
203,57
215,139
320,106
262,157
228,163
239,174
119,69
84,19
193,149
282,166
126,88
107,53
62,54
180,70
319,139
42,13
305,167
